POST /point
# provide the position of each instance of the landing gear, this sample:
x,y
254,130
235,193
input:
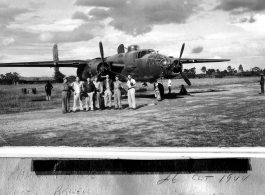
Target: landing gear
x,y
161,90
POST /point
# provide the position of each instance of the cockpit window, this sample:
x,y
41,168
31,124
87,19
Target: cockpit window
x,y
144,52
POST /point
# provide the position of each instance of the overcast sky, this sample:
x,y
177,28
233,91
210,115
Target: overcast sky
x,y
233,29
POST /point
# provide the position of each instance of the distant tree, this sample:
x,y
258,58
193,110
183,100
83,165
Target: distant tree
x,y
2,76
229,68
203,69
217,70
58,77
210,71
256,69
186,70
240,68
9,78
193,70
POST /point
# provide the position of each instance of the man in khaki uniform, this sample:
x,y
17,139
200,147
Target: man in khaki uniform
x,y
77,86
66,94
117,93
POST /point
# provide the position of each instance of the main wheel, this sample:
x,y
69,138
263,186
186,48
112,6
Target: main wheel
x,y
161,90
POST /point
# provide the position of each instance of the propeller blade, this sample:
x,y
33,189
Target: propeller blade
x,y
185,78
181,52
101,51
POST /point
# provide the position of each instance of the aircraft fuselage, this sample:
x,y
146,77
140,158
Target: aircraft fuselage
x,y
144,65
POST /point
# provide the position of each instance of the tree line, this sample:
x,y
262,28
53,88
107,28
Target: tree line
x,y
228,72
13,78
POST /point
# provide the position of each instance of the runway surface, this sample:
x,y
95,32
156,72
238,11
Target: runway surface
x,y
224,116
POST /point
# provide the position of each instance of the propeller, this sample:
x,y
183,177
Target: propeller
x,y
102,58
103,67
185,78
101,51
181,73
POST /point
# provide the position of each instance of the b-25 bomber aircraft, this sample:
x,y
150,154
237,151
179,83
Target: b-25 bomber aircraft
x,y
144,65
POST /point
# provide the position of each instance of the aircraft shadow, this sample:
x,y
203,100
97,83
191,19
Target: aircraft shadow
x,y
152,96
38,100
208,91
125,106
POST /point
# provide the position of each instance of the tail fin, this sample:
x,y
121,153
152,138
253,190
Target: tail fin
x,y
121,49
55,57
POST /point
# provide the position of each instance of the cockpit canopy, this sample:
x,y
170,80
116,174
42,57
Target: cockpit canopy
x,y
133,48
144,52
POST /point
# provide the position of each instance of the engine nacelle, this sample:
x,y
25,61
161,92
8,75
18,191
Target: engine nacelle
x,y
177,67
92,69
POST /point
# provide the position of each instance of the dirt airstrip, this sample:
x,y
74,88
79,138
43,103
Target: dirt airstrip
x,y
224,116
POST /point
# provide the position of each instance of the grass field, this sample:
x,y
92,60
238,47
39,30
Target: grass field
x,y
13,101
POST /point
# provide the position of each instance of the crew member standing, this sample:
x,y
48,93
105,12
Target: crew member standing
x,y
117,93
131,83
89,88
157,92
77,87
97,96
66,94
262,83
48,90
107,88
169,86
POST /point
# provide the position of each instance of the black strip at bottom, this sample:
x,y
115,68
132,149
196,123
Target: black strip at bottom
x,y
119,166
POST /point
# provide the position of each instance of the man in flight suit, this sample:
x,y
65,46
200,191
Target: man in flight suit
x,y
89,88
77,87
131,83
107,88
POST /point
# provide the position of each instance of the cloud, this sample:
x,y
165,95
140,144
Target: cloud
x,y
8,14
8,41
241,6
101,3
36,5
17,36
135,17
84,32
197,49
252,20
2,57
243,20
98,14
80,16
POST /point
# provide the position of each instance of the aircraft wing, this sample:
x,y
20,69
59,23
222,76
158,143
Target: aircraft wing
x,y
63,63
197,60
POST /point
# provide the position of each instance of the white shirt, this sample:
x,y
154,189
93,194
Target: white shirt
x,y
169,83
129,83
107,84
77,86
